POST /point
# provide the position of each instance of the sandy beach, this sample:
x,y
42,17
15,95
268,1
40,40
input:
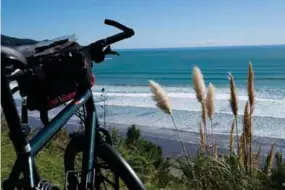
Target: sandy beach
x,y
168,140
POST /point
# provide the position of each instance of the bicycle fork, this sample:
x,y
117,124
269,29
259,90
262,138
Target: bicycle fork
x,y
88,172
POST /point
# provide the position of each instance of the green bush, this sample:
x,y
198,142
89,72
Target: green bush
x,y
145,157
278,174
200,172
133,135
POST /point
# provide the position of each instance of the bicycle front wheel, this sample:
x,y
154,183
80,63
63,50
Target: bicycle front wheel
x,y
112,171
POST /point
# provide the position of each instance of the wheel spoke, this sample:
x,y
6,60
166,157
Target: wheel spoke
x,y
109,170
110,182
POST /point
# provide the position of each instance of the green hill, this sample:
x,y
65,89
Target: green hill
x,y
12,41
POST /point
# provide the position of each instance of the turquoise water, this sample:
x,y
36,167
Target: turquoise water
x,y
125,79
172,67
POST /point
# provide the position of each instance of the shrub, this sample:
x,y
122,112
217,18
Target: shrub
x,y
133,135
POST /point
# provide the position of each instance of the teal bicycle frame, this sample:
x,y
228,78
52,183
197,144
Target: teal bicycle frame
x,y
27,150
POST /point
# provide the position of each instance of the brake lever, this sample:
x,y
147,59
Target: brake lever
x,y
114,53
109,51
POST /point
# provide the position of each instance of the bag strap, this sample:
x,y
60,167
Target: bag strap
x,y
44,116
40,73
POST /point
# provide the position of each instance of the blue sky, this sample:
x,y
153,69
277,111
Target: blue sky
x,y
157,23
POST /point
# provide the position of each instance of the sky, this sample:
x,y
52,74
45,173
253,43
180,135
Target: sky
x,y
157,23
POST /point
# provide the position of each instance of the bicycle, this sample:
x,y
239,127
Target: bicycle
x,y
94,142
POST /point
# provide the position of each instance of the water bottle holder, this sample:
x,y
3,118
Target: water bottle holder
x,y
76,179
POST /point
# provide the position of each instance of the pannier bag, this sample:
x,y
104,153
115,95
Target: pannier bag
x,y
55,78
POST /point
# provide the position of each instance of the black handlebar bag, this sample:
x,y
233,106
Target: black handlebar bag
x,y
56,77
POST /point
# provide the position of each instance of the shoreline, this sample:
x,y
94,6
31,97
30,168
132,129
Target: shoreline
x,y
156,126
168,140
119,111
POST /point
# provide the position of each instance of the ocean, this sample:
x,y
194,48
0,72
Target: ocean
x,y
125,80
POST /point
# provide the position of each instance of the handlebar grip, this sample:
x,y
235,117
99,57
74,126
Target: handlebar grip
x,y
117,25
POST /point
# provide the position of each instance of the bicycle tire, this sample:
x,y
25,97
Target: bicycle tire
x,y
114,160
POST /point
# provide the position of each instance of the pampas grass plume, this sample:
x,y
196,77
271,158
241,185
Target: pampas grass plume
x,y
210,101
163,103
233,97
198,83
250,87
160,97
234,105
247,121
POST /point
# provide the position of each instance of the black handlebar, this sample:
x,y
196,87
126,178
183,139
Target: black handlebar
x,y
127,33
95,49
118,37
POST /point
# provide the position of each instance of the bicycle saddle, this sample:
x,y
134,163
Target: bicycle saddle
x,y
12,54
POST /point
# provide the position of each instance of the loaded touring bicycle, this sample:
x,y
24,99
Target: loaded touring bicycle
x,y
53,73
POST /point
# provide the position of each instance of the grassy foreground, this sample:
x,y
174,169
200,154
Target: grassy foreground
x,y
49,161
202,172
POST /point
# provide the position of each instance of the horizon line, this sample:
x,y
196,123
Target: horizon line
x,y
185,47
174,47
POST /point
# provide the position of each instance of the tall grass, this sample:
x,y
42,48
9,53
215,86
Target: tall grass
x,y
240,170
163,103
269,160
210,102
202,138
250,87
200,90
232,137
251,99
247,134
234,106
